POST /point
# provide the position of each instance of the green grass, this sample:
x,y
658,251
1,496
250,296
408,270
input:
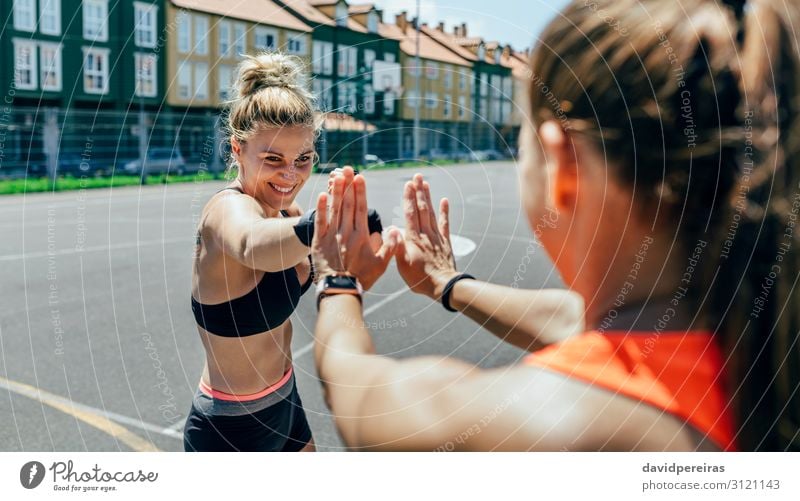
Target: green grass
x,y
67,183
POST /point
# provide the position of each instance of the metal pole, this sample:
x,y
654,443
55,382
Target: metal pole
x,y
416,86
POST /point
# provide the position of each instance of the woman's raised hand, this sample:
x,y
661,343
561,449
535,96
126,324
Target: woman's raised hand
x,y
341,239
425,258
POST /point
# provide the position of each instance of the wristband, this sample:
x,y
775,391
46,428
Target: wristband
x,y
304,229
374,221
449,288
338,284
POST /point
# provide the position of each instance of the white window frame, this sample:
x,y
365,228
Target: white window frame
x,y
411,98
103,53
152,78
224,81
201,35
264,32
414,70
446,106
352,61
431,100
484,84
462,106
56,67
25,15
463,77
447,73
224,38
184,80
50,9
388,103
239,39
200,77
369,99
369,58
184,38
145,34
497,84
30,66
101,24
296,43
324,92
431,70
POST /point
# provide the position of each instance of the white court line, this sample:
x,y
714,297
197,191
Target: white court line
x,y
94,248
113,416
305,349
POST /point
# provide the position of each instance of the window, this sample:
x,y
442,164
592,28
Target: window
x,y
224,81
389,57
224,38
352,61
507,87
200,81
50,65
324,93
431,100
341,14
25,15
343,63
388,103
462,106
95,70
369,58
369,99
431,70
448,77
352,97
372,22
497,83
145,17
184,21
185,80
446,107
266,38
95,17
463,77
413,69
201,36
295,43
412,101
506,110
25,64
484,84
240,39
495,107
482,109
146,67
50,20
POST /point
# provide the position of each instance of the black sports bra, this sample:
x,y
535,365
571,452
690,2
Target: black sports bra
x,y
264,308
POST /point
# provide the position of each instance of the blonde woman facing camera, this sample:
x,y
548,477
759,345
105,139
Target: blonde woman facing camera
x,y
252,265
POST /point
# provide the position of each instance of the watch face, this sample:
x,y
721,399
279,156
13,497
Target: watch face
x,y
342,282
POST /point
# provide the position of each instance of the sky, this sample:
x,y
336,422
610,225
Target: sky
x,y
515,22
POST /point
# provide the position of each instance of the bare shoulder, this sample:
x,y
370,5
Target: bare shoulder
x,y
227,208
545,410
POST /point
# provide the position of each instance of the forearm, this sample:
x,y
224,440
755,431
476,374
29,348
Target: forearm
x,y
528,319
272,245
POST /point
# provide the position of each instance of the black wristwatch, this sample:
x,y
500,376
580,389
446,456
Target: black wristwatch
x,y
331,285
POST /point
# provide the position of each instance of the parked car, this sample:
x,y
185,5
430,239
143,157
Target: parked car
x,y
72,164
372,160
157,161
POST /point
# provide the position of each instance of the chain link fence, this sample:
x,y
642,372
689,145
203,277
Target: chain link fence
x,y
51,142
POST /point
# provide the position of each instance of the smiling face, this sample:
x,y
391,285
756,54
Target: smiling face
x,y
275,163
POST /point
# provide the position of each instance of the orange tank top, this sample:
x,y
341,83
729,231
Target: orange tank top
x,y
678,372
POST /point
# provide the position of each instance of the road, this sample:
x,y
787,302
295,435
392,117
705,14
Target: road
x,y
98,346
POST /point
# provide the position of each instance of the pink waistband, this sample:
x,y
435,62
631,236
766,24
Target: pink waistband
x,y
220,395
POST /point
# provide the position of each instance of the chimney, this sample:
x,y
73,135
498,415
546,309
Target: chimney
x,y
440,27
463,30
507,51
401,21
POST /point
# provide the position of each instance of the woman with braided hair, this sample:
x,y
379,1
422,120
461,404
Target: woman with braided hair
x,y
667,144
253,264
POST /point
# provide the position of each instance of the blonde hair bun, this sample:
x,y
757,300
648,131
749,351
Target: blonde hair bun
x,y
270,69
